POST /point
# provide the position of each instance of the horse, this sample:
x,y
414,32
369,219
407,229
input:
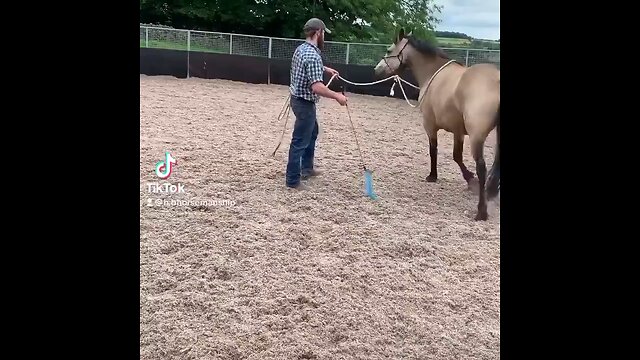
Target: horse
x,y
453,97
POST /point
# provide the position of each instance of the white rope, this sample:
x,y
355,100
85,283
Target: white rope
x,y
406,82
395,77
397,80
421,97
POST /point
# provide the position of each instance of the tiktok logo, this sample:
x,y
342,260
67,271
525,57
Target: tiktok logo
x,y
165,167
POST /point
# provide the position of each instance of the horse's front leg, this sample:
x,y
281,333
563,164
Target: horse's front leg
x,y
433,154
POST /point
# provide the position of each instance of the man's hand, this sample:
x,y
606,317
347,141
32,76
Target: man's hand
x,y
331,71
321,89
341,99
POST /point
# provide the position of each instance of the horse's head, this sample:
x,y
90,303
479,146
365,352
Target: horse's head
x,y
409,52
395,60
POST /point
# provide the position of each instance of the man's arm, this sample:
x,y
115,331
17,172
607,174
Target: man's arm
x,y
322,90
314,70
331,71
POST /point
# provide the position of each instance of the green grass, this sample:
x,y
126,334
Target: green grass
x,y
465,43
175,45
453,42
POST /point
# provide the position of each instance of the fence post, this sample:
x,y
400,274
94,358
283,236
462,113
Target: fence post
x,y
230,44
466,59
188,50
347,59
146,36
269,66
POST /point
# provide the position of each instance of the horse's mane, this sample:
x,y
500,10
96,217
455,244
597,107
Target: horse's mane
x,y
426,48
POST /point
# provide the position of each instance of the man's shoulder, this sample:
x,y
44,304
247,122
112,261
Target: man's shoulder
x,y
311,57
308,52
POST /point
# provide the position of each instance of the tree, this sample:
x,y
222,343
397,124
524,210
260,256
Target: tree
x,y
349,20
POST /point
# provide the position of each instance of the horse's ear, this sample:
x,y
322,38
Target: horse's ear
x,y
401,34
410,32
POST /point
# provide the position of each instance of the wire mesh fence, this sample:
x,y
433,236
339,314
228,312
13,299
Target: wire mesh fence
x,y
209,42
366,54
278,48
173,39
335,52
479,56
283,48
249,45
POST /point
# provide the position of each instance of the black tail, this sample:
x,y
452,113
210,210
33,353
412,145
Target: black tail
x,y
493,180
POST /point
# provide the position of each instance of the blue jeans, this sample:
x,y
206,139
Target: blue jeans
x,y
303,140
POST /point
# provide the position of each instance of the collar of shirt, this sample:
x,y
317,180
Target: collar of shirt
x,y
316,48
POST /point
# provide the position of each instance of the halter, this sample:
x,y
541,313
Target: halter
x,y
396,56
401,58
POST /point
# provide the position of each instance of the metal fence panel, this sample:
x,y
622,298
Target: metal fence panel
x,y
279,48
143,37
366,54
457,54
335,52
209,42
167,38
250,45
484,56
283,48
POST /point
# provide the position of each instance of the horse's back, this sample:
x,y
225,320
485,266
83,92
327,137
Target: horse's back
x,y
479,83
485,76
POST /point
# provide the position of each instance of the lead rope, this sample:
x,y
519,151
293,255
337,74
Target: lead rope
x,y
396,78
368,174
285,110
287,105
355,135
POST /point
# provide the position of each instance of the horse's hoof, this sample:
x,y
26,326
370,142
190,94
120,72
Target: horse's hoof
x,y
482,216
473,185
432,178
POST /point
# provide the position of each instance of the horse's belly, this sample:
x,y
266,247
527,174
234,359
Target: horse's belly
x,y
446,127
450,120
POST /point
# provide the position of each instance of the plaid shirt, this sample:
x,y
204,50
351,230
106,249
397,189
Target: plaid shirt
x,y
306,69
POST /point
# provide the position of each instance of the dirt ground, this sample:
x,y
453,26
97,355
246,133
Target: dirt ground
x,y
271,273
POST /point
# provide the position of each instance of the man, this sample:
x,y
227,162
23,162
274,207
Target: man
x,y
306,87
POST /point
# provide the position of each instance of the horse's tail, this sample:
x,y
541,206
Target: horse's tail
x,y
493,180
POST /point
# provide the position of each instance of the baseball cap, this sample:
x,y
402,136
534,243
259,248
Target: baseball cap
x,y
316,24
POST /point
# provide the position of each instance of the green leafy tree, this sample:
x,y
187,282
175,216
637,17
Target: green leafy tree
x,y
351,20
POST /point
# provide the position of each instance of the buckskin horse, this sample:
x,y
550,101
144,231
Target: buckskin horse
x,y
458,99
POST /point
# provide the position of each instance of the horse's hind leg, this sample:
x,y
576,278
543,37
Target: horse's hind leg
x,y
477,149
458,145
493,180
